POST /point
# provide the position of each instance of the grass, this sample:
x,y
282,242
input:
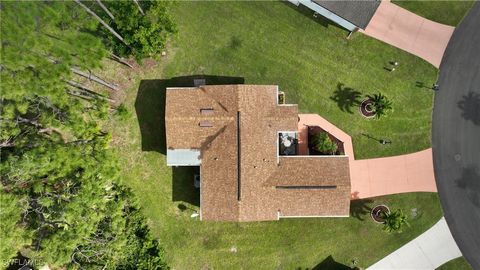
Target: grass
x,y
272,43
456,264
446,12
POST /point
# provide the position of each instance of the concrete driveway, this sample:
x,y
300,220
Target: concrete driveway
x,y
409,32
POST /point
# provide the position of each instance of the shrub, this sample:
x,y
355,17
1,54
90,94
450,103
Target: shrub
x,y
381,104
322,143
145,35
122,112
395,221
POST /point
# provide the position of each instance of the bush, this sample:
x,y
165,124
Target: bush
x,y
122,112
145,35
322,143
381,104
395,221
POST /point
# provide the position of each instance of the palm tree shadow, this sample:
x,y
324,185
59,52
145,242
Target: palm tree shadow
x,y
470,106
346,98
469,181
360,208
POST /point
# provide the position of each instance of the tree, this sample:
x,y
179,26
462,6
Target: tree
x,y
381,104
12,235
323,144
105,9
118,36
395,221
59,179
145,35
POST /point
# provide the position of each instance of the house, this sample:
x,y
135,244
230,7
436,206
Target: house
x,y
235,133
349,14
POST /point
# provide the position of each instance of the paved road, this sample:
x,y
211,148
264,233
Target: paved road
x,y
456,136
426,252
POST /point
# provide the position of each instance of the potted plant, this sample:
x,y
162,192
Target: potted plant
x,y
379,213
323,144
379,104
395,221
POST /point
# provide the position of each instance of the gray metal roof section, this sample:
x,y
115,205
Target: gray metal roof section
x,y
183,157
357,12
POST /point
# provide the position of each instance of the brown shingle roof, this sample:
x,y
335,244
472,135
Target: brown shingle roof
x,y
240,169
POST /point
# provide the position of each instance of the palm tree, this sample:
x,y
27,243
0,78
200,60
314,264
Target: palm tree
x,y
394,221
381,104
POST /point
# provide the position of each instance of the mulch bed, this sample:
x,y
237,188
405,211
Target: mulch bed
x,y
378,212
312,130
363,108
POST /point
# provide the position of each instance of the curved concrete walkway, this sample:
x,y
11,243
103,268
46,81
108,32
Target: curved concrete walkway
x,y
426,252
409,32
377,176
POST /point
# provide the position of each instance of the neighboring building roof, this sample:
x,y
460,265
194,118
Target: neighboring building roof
x,y
358,12
235,128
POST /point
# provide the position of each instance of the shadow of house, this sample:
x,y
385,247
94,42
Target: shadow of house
x,y
327,264
150,106
470,106
305,11
150,109
346,98
182,185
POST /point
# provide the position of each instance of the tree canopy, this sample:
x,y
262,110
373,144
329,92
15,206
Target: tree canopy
x,y
61,199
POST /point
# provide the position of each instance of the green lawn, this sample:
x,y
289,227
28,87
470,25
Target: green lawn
x,y
272,43
446,12
457,264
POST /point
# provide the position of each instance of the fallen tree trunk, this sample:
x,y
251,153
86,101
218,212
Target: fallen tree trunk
x,y
139,7
94,78
120,60
83,91
105,9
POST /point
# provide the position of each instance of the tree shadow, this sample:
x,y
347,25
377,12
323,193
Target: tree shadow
x,y
470,106
360,208
327,264
182,185
470,182
150,106
346,98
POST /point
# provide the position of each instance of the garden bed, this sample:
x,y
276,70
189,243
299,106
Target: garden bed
x,y
313,130
378,213
366,108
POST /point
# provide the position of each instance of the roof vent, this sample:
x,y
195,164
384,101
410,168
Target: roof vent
x,y
206,111
205,124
